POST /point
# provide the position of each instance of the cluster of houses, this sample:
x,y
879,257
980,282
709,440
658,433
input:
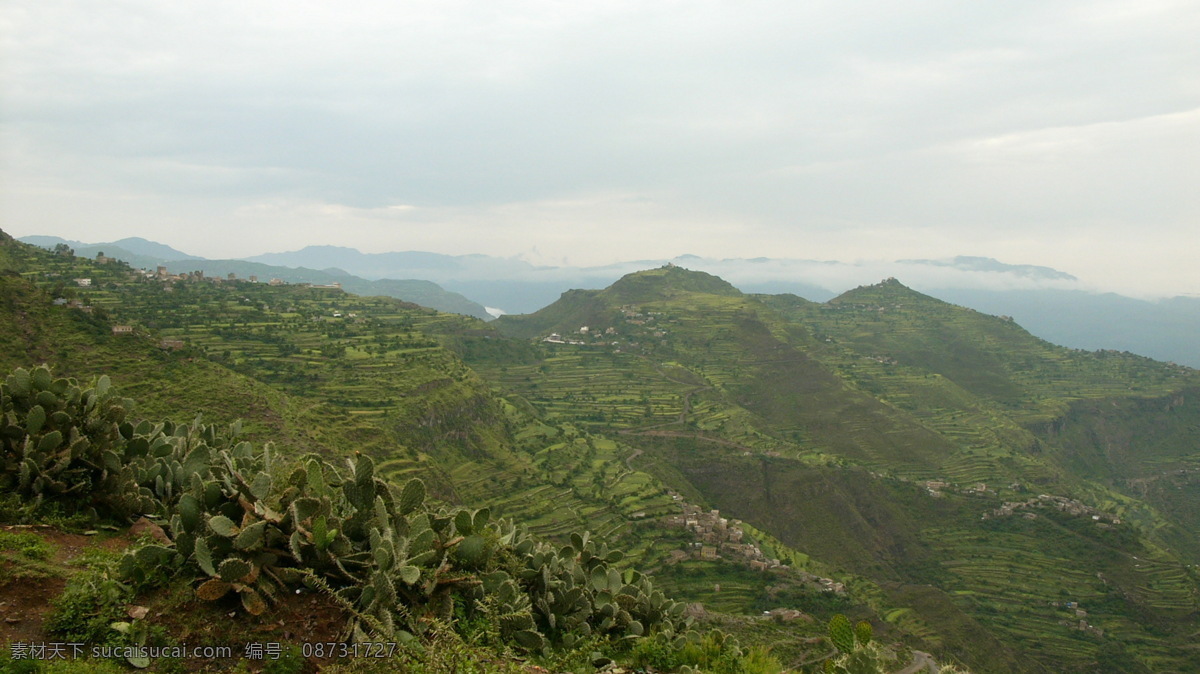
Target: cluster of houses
x,y
606,336
556,338
597,335
722,538
1080,622
73,304
938,487
1069,506
162,274
636,317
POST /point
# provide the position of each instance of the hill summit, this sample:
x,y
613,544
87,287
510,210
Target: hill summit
x,y
668,281
577,308
887,290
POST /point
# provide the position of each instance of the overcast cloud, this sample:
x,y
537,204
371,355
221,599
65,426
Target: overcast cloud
x,y
1057,133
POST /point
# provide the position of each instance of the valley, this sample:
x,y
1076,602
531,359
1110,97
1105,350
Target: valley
x,y
972,490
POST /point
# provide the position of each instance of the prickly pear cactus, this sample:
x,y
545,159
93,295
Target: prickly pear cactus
x,y
862,632
856,653
65,443
251,528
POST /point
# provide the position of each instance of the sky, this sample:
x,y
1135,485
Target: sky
x,y
1062,133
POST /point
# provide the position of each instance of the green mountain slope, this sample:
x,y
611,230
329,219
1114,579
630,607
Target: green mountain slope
x,y
849,439
352,373
909,441
149,255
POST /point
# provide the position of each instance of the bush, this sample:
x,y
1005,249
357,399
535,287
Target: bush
x,y
715,653
252,527
87,607
25,544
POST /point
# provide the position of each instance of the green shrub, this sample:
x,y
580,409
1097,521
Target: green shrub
x,y
715,653
252,527
24,556
26,544
655,653
87,607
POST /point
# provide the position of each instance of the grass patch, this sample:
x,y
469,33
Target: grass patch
x,y
25,544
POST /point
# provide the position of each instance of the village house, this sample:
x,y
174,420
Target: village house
x,y
122,329
676,556
785,614
935,486
83,282
1061,503
721,538
833,586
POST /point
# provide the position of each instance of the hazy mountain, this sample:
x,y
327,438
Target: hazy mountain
x,y
987,264
91,250
1167,329
433,266
145,254
425,293
964,477
140,246
1051,303
135,250
517,286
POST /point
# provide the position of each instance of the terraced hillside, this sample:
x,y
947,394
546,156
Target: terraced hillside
x,y
900,438
885,441
424,293
339,373
1022,409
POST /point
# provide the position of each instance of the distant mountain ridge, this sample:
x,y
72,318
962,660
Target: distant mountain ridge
x,y
139,252
987,264
135,251
134,246
877,438
1051,303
